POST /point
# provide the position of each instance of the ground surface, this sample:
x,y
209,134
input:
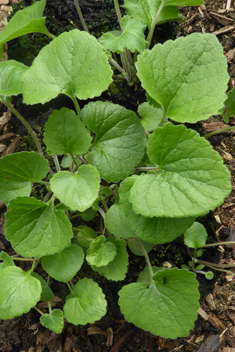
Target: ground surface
x,y
215,328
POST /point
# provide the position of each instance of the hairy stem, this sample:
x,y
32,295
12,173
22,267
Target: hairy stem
x,y
77,107
219,131
146,257
81,16
150,35
118,12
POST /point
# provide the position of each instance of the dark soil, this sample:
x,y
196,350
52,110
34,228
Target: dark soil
x,y
112,333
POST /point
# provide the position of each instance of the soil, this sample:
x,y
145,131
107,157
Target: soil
x,y
215,327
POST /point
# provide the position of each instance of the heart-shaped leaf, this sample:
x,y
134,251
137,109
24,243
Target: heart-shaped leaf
x,y
100,252
11,72
53,321
195,236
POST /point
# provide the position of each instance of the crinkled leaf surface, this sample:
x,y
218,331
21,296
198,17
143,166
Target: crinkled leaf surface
x,y
7,260
47,294
229,105
172,297
146,11
63,266
77,191
65,133
100,252
190,179
132,37
21,292
18,171
154,230
87,305
195,236
151,117
119,142
28,20
74,64
187,76
36,229
115,270
11,72
53,321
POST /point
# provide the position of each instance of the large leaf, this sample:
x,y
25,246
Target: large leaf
x,y
146,11
116,269
18,171
19,292
28,20
171,297
119,142
101,252
132,37
154,230
11,72
65,133
63,266
190,178
36,229
77,191
73,64
187,76
87,305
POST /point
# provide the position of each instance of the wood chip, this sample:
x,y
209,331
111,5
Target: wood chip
x,y
224,30
210,301
230,54
4,2
212,343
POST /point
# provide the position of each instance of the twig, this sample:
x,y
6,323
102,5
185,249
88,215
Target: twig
x,y
228,5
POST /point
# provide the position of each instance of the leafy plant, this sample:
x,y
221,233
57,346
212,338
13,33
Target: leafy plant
x,y
146,177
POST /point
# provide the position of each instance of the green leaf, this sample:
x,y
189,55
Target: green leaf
x,y
131,37
84,231
74,64
77,191
87,305
17,173
65,133
119,142
135,247
172,296
21,292
47,294
146,11
36,229
187,76
145,276
151,117
11,72
115,270
7,260
195,236
63,266
53,321
154,230
209,275
117,223
190,178
229,105
28,20
100,252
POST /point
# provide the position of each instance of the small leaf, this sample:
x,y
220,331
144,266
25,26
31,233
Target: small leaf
x,y
63,266
115,270
172,296
87,305
119,142
84,231
229,105
28,20
47,294
36,229
190,177
131,37
187,76
53,321
209,275
18,172
195,236
77,191
65,133
74,64
7,260
21,292
11,72
151,117
100,252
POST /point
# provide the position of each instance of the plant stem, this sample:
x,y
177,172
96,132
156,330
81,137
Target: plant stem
x,y
25,259
116,65
146,257
118,12
150,168
100,210
150,35
84,238
219,131
218,244
26,124
215,266
125,63
38,310
77,107
74,160
81,16
57,165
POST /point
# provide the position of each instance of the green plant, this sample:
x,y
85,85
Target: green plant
x,y
147,178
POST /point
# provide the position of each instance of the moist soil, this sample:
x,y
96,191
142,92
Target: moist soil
x,y
215,327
